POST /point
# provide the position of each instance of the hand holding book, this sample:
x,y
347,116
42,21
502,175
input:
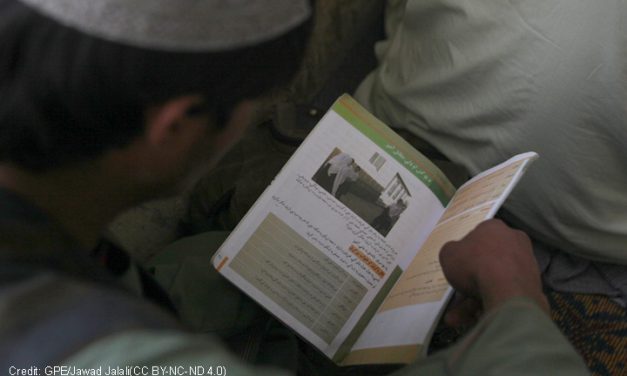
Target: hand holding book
x,y
489,266
343,245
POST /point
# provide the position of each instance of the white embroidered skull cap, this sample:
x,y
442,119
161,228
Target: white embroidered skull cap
x,y
178,25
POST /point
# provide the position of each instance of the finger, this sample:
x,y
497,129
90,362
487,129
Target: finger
x,y
456,268
465,313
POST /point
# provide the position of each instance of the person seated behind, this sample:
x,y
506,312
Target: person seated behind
x,y
482,81
111,103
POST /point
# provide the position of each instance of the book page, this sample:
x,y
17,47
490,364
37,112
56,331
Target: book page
x,y
422,290
325,239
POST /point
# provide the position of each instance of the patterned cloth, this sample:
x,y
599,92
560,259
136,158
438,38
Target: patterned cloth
x,y
596,326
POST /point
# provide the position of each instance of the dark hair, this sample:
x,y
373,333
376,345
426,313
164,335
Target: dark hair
x,y
67,97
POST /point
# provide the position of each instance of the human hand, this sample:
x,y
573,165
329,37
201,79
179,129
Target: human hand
x,y
489,266
463,312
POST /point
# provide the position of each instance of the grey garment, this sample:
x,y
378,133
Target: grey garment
x,y
46,317
483,80
179,25
564,272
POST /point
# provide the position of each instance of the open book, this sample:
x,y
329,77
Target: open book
x,y
343,245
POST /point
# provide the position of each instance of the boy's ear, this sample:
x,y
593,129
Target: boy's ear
x,y
165,120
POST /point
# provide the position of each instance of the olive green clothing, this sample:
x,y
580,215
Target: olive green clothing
x,y
517,339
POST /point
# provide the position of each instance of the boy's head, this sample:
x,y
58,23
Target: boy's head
x,y
81,80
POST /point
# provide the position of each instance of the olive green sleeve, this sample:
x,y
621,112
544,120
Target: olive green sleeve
x,y
516,339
